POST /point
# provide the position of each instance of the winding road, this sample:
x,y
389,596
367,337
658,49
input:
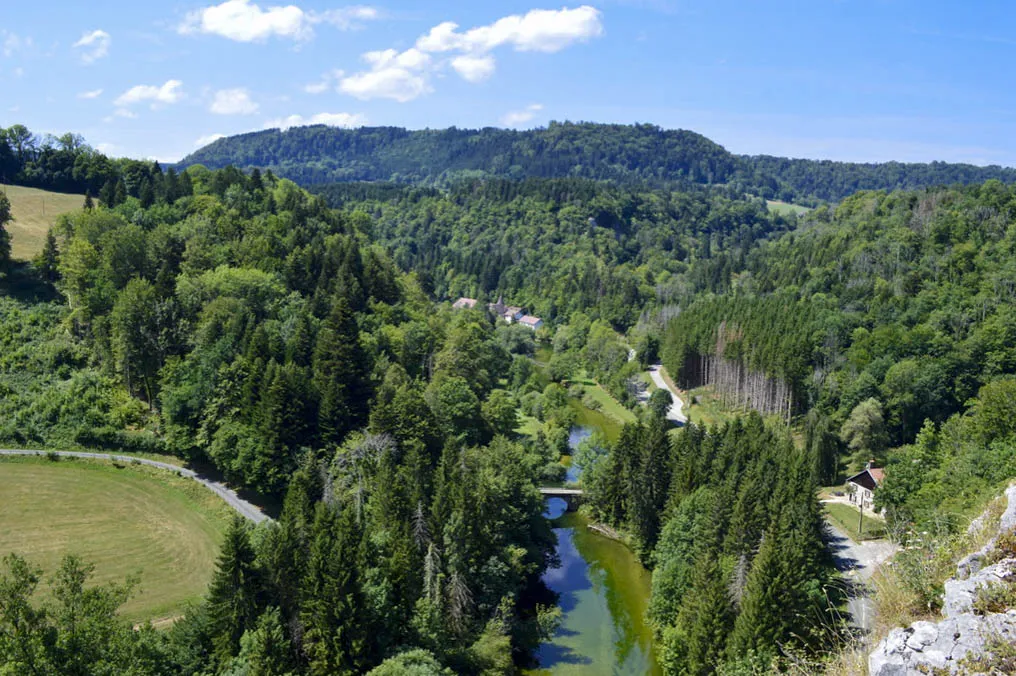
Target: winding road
x,y
676,412
244,508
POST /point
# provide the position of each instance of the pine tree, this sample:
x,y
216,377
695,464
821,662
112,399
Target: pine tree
x,y
264,650
234,593
89,203
696,646
341,375
335,630
119,193
107,195
146,194
48,261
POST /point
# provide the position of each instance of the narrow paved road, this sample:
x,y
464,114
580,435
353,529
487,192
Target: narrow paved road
x,y
857,561
676,412
243,507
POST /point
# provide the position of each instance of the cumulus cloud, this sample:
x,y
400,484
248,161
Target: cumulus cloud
x,y
474,68
403,76
244,21
166,94
233,102
400,76
205,140
517,118
93,94
93,46
539,30
348,120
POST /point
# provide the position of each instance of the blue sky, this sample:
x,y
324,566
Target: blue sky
x,y
863,80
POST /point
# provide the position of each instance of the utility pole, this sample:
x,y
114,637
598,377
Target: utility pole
x,y
860,520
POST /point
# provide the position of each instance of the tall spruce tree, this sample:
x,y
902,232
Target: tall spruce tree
x,y
341,374
235,592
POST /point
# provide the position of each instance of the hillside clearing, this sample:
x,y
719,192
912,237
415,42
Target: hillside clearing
x,y
35,212
778,207
124,519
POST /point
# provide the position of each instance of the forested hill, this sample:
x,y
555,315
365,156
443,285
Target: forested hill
x,y
642,154
321,154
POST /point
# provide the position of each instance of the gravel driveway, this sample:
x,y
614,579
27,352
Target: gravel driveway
x,y
857,561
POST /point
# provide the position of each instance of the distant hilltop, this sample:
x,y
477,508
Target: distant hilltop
x,y
627,154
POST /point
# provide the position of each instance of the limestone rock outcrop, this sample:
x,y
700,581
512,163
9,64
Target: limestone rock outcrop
x,y
926,647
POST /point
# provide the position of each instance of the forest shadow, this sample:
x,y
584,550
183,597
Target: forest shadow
x,y
23,283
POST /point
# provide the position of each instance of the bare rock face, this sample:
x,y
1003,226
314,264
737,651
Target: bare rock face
x,y
960,593
925,647
1008,521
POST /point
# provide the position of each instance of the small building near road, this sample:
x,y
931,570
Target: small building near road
x,y
531,322
464,303
512,313
862,486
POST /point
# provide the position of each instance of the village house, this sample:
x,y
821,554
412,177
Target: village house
x,y
509,313
862,486
512,313
531,322
464,303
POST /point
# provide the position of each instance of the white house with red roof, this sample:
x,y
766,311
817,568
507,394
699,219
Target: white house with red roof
x,y
862,486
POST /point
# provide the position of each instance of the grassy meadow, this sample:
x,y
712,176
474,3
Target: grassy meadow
x,y
847,518
778,207
125,519
34,212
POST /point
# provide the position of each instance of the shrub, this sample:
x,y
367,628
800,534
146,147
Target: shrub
x,y
994,598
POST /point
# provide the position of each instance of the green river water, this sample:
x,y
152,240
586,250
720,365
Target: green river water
x,y
603,592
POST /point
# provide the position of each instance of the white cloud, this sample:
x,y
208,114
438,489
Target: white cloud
x,y
166,94
93,94
517,118
122,113
331,119
243,21
106,148
539,30
474,68
12,43
93,46
324,84
205,140
403,76
346,18
233,102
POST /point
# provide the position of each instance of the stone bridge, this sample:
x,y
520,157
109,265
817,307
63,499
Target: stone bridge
x,y
571,496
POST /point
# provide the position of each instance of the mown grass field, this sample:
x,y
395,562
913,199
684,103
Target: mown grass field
x,y
126,520
847,518
34,212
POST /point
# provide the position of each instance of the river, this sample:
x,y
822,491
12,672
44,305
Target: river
x,y
603,592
